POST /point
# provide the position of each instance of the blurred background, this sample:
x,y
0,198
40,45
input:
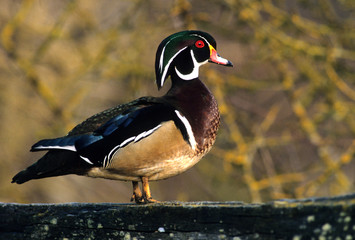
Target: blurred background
x,y
287,106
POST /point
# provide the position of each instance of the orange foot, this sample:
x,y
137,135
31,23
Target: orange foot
x,y
138,196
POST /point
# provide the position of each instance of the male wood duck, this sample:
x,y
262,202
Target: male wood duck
x,y
150,138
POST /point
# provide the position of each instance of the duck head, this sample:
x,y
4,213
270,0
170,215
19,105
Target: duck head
x,y
183,53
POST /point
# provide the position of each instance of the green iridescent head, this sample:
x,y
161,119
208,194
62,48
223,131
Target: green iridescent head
x,y
183,53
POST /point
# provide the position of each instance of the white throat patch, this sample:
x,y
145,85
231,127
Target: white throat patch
x,y
195,70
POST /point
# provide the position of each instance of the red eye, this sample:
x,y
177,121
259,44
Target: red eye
x,y
199,44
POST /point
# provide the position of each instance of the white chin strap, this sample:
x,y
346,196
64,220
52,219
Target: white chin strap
x,y
195,70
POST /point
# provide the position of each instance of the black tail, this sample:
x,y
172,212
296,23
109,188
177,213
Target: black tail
x,y
53,163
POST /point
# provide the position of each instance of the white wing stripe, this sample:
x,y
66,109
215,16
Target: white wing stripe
x,y
125,142
112,153
144,134
86,160
69,147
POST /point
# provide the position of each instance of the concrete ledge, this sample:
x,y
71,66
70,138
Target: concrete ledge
x,y
317,218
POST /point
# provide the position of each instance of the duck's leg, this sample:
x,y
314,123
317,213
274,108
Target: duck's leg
x,y
137,194
147,197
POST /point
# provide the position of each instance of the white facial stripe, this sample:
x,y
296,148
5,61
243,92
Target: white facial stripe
x,y
167,66
112,153
195,70
70,148
162,55
87,160
188,128
161,59
202,38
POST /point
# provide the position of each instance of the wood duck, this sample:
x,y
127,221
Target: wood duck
x,y
150,138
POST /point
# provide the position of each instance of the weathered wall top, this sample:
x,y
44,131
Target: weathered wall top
x,y
331,218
